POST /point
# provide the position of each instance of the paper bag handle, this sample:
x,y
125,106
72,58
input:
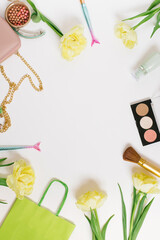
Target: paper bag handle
x,y
64,198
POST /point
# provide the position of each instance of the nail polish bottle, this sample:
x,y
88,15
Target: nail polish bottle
x,y
147,66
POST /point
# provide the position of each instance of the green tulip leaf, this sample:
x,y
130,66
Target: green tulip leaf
x,y
6,165
144,20
88,219
140,209
143,14
103,232
134,193
136,198
91,223
3,202
95,225
157,26
3,182
51,25
37,16
124,215
153,4
141,220
32,5
93,235
2,159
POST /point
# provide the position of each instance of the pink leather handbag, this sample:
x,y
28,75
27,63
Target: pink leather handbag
x,y
9,45
9,41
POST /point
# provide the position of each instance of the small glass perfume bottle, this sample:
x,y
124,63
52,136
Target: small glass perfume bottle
x,y
147,66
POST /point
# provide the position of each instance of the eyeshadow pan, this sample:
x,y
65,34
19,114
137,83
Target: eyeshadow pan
x,y
146,122
150,135
142,109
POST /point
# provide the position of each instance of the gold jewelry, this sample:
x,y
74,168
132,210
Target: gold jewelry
x,y
13,87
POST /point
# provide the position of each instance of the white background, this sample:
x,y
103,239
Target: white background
x,y
83,117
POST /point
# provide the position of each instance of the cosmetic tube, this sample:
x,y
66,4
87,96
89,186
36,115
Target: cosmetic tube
x,y
147,66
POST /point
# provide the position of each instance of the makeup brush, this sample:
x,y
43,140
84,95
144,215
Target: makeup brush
x,y
88,20
131,155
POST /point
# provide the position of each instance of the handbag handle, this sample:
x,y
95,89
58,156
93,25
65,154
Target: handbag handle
x,y
64,198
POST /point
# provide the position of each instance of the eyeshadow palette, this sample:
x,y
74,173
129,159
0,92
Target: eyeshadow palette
x,y
146,122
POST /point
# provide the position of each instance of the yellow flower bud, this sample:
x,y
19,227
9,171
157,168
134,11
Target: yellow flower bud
x,y
73,43
145,183
121,28
22,179
127,34
91,200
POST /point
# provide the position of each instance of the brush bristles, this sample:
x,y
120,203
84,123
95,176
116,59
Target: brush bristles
x,y
131,155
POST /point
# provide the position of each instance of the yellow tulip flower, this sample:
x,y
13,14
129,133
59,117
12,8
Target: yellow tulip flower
x,y
127,34
91,200
73,43
22,179
145,183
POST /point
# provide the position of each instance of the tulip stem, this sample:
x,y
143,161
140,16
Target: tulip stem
x,y
93,236
146,19
98,225
96,215
51,25
134,207
38,16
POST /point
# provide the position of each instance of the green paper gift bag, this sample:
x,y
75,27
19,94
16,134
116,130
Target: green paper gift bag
x,y
29,221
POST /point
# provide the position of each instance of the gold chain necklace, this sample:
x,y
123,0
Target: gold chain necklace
x,y
13,87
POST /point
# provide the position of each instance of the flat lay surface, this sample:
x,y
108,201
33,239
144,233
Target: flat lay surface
x,y
83,117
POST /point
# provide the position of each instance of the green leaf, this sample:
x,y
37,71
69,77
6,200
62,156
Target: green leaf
x,y
157,26
134,193
2,159
140,209
103,232
93,235
95,225
32,5
3,182
6,165
143,14
124,215
37,16
141,220
153,4
136,197
144,20
134,200
3,202
51,25
88,219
